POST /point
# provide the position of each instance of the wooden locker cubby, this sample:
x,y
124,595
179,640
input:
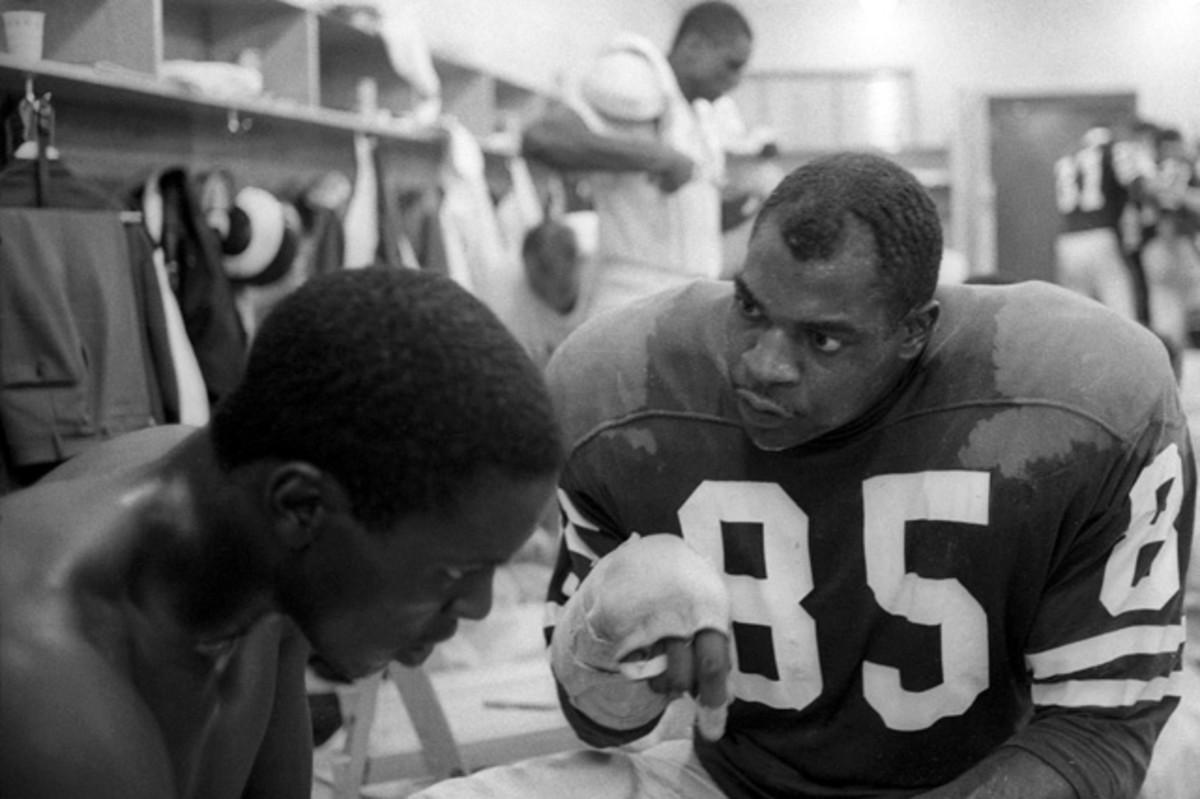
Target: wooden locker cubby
x,y
117,116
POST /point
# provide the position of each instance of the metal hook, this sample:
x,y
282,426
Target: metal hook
x,y
235,123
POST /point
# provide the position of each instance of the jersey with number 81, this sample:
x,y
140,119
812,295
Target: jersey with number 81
x,y
992,557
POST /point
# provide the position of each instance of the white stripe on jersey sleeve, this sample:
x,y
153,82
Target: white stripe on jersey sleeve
x,y
575,522
1091,652
575,544
551,613
1107,693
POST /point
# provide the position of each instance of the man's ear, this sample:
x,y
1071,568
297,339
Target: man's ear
x,y
298,499
918,327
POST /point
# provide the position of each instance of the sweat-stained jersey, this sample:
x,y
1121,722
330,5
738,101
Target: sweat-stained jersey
x,y
991,557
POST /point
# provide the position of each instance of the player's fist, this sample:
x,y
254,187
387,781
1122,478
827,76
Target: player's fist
x,y
676,170
652,597
698,666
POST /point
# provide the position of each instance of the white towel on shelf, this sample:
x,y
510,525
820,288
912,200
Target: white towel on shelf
x,y
215,79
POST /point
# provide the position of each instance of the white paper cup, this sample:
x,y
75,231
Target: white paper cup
x,y
23,32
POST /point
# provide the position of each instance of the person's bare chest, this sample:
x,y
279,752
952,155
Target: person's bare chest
x,y
212,705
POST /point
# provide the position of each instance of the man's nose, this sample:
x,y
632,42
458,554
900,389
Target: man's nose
x,y
772,359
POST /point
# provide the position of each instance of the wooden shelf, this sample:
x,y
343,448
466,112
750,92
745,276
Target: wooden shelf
x,y
346,56
105,84
104,64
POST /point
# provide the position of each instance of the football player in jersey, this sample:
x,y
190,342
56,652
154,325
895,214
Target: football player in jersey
x,y
1093,191
1170,255
896,540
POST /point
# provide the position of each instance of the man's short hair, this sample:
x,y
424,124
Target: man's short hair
x,y
714,21
399,383
551,260
549,233
812,204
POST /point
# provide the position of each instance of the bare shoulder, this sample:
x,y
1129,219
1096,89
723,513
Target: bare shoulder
x,y
131,449
72,725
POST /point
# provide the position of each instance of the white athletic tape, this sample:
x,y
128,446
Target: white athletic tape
x,y
648,589
710,721
644,669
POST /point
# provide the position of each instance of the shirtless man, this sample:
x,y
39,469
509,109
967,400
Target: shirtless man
x,y
160,595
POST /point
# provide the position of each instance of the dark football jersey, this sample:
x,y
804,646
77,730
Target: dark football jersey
x,y
990,556
1091,184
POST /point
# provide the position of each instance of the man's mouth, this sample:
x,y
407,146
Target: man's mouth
x,y
761,406
423,647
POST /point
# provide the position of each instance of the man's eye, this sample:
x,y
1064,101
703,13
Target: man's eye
x,y
747,307
826,344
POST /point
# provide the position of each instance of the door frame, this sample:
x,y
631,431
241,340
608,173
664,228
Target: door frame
x,y
973,198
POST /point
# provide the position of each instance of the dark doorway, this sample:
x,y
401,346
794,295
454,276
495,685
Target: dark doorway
x,y
1027,135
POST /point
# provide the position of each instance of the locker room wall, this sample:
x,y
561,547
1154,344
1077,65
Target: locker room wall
x,y
1015,46
536,41
951,46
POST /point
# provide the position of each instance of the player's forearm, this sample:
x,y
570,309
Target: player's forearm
x,y
574,147
1067,753
1008,774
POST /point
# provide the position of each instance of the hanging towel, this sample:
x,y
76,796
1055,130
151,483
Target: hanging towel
x,y
475,253
362,213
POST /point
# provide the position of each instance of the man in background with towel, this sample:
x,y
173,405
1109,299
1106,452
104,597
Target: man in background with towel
x,y
642,128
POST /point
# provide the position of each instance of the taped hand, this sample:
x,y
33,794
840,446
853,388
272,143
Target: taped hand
x,y
649,623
